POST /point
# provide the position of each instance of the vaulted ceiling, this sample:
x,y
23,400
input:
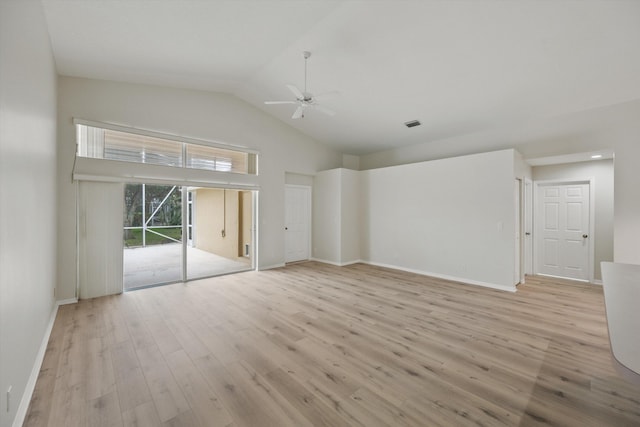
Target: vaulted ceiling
x,y
457,66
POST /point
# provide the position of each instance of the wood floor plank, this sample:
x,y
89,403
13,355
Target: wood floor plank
x,y
459,409
319,345
99,375
125,361
184,419
381,409
41,401
68,407
187,339
164,390
104,411
303,399
241,394
206,408
133,391
143,415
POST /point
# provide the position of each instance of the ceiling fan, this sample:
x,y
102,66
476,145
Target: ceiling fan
x,y
304,99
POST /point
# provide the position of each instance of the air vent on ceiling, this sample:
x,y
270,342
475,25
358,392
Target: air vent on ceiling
x,y
412,123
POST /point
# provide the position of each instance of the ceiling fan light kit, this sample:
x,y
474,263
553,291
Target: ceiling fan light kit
x,y
304,99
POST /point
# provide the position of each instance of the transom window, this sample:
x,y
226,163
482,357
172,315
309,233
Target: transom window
x,y
118,144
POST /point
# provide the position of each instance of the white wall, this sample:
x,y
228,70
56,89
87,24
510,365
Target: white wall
x,y
326,216
336,216
297,179
602,173
350,216
27,199
626,205
350,161
613,127
451,218
521,168
195,114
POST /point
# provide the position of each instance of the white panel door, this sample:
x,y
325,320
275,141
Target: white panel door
x,y
297,223
563,232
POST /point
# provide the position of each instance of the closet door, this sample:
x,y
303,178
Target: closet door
x,y
100,244
563,230
297,223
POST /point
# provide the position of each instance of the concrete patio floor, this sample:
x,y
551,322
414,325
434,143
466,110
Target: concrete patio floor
x,y
162,264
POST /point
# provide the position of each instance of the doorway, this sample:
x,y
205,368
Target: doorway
x,y
517,196
221,232
152,235
563,246
528,226
174,233
297,223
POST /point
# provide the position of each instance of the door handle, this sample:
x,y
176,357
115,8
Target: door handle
x,y
286,228
527,234
584,236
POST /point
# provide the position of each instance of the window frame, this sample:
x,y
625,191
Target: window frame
x,y
251,159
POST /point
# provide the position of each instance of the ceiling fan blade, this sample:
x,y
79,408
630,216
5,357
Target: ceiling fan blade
x,y
298,113
297,92
279,102
324,110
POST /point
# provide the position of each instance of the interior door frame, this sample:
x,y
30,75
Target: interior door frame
x,y
518,246
191,218
310,217
536,220
527,225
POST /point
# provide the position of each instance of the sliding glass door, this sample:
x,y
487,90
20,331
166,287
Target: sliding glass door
x,y
152,235
174,233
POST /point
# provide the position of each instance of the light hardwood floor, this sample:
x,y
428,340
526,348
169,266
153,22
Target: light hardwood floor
x,y
318,345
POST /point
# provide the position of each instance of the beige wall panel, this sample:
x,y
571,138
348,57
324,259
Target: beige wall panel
x,y
211,220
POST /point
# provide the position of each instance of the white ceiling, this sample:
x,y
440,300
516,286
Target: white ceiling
x,y
457,66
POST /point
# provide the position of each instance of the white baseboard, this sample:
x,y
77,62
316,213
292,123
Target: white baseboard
x,y
597,282
446,277
21,413
67,301
423,273
339,264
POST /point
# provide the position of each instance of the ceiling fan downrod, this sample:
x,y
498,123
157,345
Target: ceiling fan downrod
x,y
306,55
